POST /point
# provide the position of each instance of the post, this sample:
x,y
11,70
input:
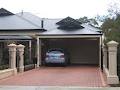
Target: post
x,y
40,48
30,51
12,57
38,53
112,51
104,56
21,57
100,53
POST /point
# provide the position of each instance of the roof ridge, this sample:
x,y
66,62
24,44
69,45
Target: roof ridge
x,y
28,21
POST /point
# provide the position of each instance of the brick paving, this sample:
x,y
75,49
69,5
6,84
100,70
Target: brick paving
x,y
83,76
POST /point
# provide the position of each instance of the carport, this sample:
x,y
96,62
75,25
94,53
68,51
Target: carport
x,y
81,41
79,49
85,50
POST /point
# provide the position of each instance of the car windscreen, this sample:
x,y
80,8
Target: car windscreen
x,y
55,52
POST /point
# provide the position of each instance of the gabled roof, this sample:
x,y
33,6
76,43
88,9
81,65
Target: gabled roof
x,y
4,12
30,18
48,24
52,28
15,22
69,23
68,19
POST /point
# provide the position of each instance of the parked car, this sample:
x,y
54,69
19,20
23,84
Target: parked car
x,y
56,56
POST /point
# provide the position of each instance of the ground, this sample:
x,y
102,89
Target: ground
x,y
83,76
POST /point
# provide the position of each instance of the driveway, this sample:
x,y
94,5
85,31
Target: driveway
x,y
83,76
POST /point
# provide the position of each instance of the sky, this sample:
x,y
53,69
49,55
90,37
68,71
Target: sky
x,y
58,8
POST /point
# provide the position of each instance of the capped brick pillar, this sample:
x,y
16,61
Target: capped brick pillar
x,y
20,48
112,51
12,57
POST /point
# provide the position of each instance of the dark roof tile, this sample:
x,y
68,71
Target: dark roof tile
x,y
4,12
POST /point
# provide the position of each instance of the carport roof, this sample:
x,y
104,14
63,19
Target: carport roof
x,y
84,31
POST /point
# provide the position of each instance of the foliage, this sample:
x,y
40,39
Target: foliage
x,y
111,28
111,24
91,21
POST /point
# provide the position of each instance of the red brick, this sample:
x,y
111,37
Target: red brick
x,y
84,76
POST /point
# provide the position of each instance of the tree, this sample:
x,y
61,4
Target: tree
x,y
111,28
114,9
91,21
84,19
111,23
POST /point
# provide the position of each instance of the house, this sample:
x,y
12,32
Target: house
x,y
82,41
16,29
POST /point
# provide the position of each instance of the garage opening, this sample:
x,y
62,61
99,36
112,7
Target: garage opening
x,y
83,51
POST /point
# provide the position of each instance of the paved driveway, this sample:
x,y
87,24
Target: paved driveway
x,y
84,76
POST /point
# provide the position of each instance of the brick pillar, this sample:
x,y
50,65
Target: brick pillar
x,y
112,51
21,57
12,57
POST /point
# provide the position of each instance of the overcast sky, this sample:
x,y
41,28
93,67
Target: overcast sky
x,y
58,8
